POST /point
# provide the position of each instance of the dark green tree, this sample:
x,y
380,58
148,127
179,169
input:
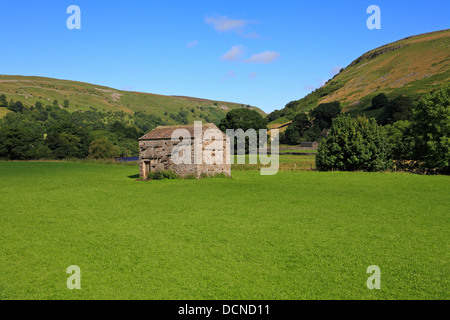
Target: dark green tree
x,y
400,108
274,115
354,144
400,137
324,114
21,139
16,107
242,118
432,130
3,101
380,101
296,130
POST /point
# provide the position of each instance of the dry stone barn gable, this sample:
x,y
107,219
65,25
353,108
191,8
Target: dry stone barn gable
x,y
155,152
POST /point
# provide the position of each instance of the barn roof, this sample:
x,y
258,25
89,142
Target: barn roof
x,y
165,132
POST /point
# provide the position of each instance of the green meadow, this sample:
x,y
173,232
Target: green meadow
x,y
294,235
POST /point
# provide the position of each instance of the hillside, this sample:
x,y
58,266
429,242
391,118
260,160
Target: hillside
x,y
86,96
412,66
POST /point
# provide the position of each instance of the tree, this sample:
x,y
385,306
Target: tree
x,y
66,103
274,115
353,144
103,149
68,140
324,114
245,119
16,107
400,108
294,133
401,140
432,130
21,139
380,101
3,101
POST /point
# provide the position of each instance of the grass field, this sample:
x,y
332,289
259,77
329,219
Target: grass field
x,y
295,235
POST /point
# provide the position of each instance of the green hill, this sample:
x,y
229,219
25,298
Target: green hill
x,y
86,96
412,66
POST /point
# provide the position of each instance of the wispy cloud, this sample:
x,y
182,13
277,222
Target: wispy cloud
x,y
263,57
234,54
320,82
253,75
229,74
250,35
309,88
224,24
335,71
191,44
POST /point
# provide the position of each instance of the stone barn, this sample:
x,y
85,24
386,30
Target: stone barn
x,y
200,143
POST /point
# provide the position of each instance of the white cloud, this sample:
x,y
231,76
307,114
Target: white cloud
x,y
263,57
223,24
191,44
234,54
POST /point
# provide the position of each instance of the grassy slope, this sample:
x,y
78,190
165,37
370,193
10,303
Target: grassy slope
x,y
3,112
82,96
418,65
295,235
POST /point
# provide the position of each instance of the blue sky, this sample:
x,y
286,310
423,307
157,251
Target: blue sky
x,y
262,53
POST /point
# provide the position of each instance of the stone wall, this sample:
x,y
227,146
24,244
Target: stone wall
x,y
155,155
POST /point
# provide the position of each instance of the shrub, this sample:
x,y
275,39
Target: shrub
x,y
163,174
354,144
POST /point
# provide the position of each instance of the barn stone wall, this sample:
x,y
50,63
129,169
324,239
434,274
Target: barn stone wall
x,y
155,155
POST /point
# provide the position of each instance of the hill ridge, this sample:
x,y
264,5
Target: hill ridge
x,y
411,66
84,96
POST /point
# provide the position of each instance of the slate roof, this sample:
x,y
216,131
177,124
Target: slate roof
x,y
165,132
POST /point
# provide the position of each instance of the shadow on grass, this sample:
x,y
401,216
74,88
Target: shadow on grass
x,y
134,176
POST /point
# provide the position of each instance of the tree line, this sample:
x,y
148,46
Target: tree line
x,y
414,137
52,132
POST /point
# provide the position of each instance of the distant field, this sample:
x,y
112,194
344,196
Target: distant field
x,y
298,150
295,235
287,162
